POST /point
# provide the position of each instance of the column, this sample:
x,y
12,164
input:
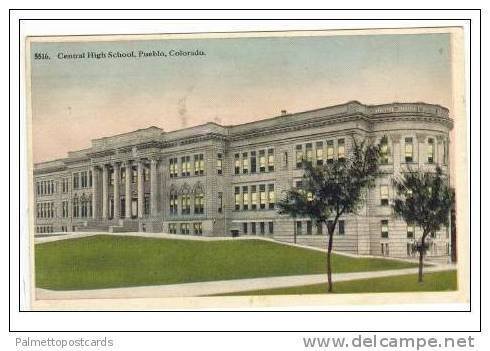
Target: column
x,y
153,187
140,189
117,199
421,154
439,153
105,193
127,201
95,192
395,139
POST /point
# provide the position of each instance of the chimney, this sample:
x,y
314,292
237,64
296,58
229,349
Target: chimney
x,y
284,112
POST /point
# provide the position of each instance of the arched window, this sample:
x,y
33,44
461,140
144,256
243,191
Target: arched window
x,y
198,198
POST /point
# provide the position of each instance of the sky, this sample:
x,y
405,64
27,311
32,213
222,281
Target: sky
x,y
238,80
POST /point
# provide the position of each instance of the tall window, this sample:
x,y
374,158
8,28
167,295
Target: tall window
x,y
83,178
185,165
330,150
186,204
262,196
262,228
111,177
341,149
197,228
199,203
173,167
237,163
272,196
309,153
237,198
245,163
270,160
64,185
308,228
146,204
262,161
384,228
299,156
299,228
219,164
383,152
174,204
319,153
408,149
253,162
410,231
245,197
76,183
220,202
271,227
201,164
134,174
341,227
384,195
75,208
254,228
253,189
430,150
123,175
245,227
444,152
65,209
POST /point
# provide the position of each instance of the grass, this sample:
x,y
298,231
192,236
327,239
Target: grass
x,y
439,281
105,261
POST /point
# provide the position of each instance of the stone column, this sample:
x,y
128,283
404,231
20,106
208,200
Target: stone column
x,y
421,154
439,153
105,192
140,189
95,192
153,188
117,199
127,201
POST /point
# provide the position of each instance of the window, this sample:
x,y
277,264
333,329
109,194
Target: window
x,y
384,228
308,228
111,177
76,184
410,231
341,227
262,161
319,153
245,197
285,161
197,228
330,224
309,153
134,172
408,150
237,163
253,162
330,151
319,228
409,249
383,152
262,196
75,208
270,160
254,228
220,202
254,196
384,195
83,179
444,152
174,204
299,156
271,227
201,164
123,175
173,167
299,228
385,250
272,196
184,228
64,185
90,178
219,164
245,163
430,150
341,149
262,228
199,203
186,204
245,228
172,228
185,165
237,198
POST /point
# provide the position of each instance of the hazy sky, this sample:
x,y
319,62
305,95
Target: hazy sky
x,y
238,80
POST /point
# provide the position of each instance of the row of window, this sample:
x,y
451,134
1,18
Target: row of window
x,y
245,164
185,166
408,153
46,187
256,198
306,228
44,229
185,203
185,228
45,210
255,228
322,153
123,174
82,180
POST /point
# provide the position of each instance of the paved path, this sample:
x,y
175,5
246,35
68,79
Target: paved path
x,y
222,287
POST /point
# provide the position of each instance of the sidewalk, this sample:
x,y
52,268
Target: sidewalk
x,y
222,287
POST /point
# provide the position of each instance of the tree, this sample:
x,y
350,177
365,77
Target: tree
x,y
423,199
333,189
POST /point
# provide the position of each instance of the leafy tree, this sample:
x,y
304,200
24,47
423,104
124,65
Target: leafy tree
x,y
333,189
425,200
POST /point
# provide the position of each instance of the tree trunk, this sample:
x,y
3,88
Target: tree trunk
x,y
329,260
421,258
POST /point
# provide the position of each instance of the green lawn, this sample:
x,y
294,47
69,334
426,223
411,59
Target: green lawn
x,y
106,261
440,281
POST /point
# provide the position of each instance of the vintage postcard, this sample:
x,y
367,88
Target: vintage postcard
x,y
282,169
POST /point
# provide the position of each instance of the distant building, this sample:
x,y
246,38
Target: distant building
x,y
218,180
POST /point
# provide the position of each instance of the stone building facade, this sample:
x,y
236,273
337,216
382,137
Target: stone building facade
x,y
216,180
